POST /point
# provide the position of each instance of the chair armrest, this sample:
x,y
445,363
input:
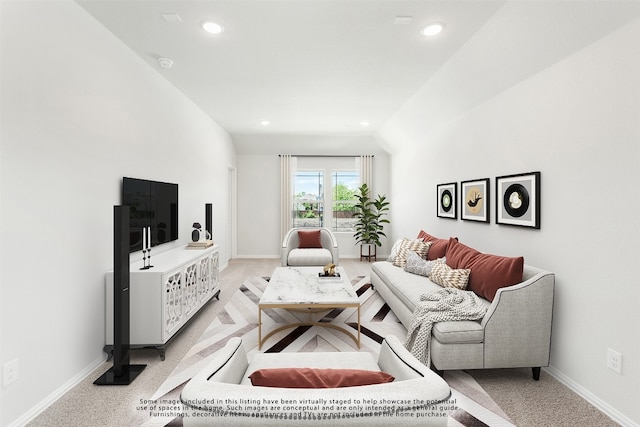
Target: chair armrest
x,y
330,242
228,366
288,243
396,360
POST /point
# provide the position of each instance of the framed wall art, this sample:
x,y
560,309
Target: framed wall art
x,y
474,200
518,200
446,202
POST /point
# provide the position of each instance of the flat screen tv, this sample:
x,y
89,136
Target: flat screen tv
x,y
151,204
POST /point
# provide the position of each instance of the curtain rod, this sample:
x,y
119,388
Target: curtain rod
x,y
325,155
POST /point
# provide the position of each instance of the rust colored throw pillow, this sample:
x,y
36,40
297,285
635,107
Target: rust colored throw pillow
x,y
488,272
309,239
317,378
438,247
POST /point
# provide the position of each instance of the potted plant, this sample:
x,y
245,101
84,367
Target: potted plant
x,y
370,222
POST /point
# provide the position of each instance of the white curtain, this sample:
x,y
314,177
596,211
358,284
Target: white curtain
x,y
366,163
286,193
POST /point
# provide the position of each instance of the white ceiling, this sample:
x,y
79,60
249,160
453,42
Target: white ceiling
x,y
310,67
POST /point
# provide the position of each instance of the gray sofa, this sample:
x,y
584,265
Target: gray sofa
x,y
222,392
514,333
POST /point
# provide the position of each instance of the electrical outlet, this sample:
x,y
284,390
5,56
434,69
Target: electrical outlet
x,y
614,361
10,372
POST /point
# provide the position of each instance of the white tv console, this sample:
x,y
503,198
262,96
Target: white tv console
x,y
164,298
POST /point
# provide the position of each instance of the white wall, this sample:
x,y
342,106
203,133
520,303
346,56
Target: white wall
x,y
79,112
577,121
259,205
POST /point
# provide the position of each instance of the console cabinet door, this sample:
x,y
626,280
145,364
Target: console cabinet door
x,y
190,289
209,277
172,304
215,271
205,284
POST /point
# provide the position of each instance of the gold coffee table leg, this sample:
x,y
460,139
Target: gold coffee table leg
x,y
309,310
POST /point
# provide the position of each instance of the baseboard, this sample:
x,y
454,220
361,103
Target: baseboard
x,y
258,256
57,394
380,257
594,400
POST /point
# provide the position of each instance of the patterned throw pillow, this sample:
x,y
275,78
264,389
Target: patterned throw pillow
x,y
396,246
447,277
417,246
394,250
417,265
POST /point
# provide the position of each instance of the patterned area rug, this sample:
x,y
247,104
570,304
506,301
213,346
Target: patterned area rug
x,y
239,319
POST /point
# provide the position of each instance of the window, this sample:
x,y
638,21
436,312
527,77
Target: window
x,y
345,186
308,199
315,189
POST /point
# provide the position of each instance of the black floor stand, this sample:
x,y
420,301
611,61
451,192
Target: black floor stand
x,y
122,373
127,374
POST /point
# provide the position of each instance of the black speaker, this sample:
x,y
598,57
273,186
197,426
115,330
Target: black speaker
x,y
208,219
122,373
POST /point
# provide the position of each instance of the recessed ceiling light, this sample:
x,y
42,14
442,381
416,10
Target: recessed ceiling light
x,y
364,123
432,30
265,122
212,27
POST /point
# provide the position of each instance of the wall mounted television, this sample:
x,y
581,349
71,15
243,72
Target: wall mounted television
x,y
151,204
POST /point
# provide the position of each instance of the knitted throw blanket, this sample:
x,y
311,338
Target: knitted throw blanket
x,y
443,305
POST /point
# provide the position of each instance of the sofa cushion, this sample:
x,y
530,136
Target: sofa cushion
x,y
301,257
405,286
417,265
448,277
488,272
309,239
417,246
438,247
317,377
459,332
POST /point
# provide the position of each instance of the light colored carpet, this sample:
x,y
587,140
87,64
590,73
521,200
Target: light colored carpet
x,y
239,318
528,403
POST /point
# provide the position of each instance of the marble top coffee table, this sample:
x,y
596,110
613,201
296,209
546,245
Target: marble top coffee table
x,y
300,289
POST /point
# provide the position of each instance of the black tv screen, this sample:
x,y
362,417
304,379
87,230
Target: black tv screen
x,y
151,204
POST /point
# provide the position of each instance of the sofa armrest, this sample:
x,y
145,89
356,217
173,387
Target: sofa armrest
x,y
518,323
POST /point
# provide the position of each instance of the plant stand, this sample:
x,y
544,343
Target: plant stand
x,y
368,251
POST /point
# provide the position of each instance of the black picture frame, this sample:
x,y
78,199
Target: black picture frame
x,y
446,200
475,200
518,200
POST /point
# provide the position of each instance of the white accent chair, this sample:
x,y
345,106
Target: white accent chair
x,y
292,255
222,393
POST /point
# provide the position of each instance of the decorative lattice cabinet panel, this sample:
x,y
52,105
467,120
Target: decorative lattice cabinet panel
x,y
164,298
